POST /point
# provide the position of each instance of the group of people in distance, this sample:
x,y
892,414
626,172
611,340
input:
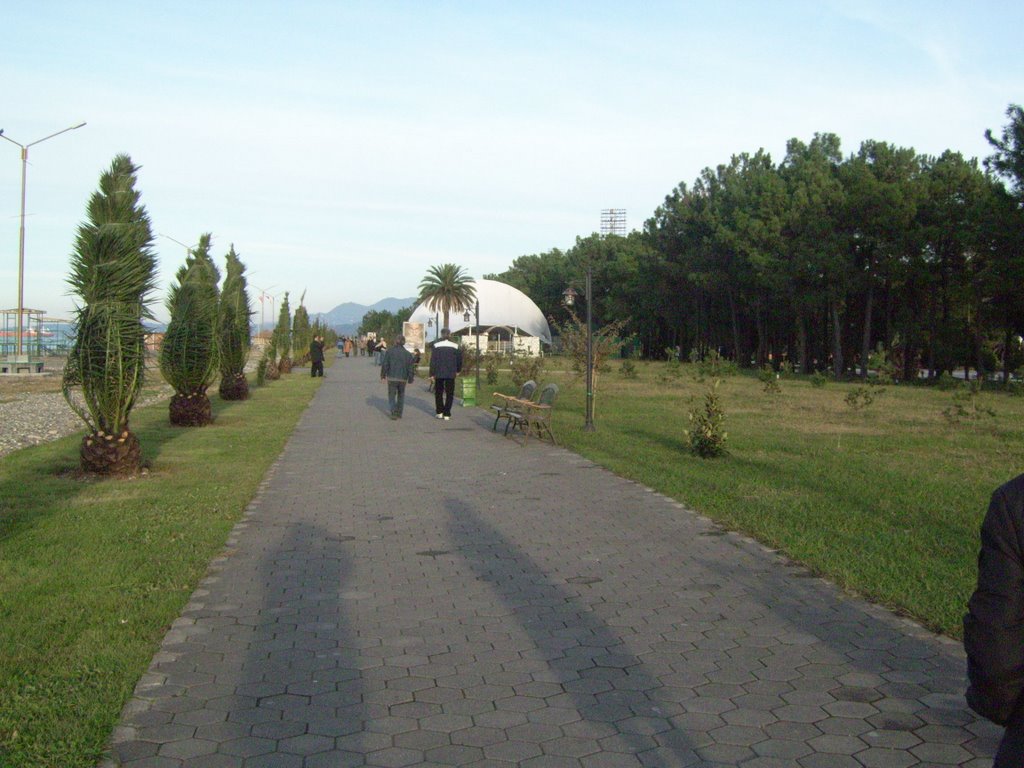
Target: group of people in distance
x,y
398,368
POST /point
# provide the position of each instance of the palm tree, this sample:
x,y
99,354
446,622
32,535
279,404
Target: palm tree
x,y
447,289
234,336
302,333
281,339
113,271
189,357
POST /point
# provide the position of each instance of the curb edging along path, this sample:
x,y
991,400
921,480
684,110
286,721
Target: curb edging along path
x,y
419,592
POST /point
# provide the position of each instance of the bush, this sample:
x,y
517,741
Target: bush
x,y
707,434
673,369
967,405
261,371
526,368
713,365
492,362
860,397
770,379
886,370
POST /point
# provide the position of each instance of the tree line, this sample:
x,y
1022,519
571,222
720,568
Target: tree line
x,y
822,260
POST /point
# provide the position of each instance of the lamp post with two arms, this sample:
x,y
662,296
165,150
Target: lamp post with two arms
x,y
21,229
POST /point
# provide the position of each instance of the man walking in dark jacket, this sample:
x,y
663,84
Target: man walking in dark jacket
x,y
994,624
445,365
316,356
397,369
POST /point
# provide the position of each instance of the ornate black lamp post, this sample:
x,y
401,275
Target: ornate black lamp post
x,y
570,299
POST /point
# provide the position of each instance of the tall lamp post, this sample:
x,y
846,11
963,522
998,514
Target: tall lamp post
x,y
465,317
570,298
21,229
188,248
263,297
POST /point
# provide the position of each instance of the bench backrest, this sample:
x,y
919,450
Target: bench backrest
x,y
548,394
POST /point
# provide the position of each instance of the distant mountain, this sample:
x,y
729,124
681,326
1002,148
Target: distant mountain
x,y
345,318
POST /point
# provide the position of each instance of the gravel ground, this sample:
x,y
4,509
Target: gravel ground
x,y
37,417
33,409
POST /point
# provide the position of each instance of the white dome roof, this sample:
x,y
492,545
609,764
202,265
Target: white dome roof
x,y
500,304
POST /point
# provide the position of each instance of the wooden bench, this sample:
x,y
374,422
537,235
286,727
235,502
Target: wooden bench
x,y
533,418
501,408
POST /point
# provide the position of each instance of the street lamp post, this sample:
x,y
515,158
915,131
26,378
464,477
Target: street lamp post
x,y
570,299
477,333
21,229
188,248
263,297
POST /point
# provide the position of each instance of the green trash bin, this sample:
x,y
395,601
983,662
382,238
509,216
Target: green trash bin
x,y
468,392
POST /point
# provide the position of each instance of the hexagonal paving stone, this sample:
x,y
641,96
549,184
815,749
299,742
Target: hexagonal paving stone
x,y
394,757
248,746
306,744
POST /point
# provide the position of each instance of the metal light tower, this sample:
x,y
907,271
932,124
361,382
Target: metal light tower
x,y
613,221
21,229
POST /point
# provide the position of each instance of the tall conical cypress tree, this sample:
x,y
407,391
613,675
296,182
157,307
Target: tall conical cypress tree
x,y
281,340
189,355
302,334
233,331
113,271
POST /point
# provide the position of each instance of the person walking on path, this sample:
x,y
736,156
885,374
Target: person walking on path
x,y
316,356
445,365
994,624
397,369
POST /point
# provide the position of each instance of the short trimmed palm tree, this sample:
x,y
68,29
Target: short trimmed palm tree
x,y
113,271
189,358
234,336
447,289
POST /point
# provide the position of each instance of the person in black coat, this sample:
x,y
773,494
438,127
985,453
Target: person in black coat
x,y
316,356
994,624
445,365
397,369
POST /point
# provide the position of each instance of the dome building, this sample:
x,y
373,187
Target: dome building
x,y
508,320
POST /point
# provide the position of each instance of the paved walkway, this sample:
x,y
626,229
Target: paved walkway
x,y
421,592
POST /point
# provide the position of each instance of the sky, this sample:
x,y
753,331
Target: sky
x,y
344,148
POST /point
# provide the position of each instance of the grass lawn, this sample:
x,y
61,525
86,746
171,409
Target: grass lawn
x,y
886,501
93,572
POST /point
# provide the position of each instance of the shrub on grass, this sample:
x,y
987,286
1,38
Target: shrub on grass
x,y
707,433
672,370
712,365
859,398
492,362
769,380
261,370
526,368
966,405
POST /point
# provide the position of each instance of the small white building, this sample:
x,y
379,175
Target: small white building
x,y
509,321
